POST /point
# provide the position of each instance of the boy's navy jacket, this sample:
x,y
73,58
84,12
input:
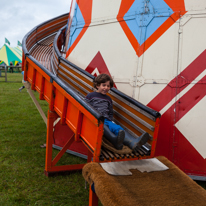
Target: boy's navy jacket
x,y
102,103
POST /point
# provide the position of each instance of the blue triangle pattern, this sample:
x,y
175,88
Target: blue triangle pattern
x,y
76,26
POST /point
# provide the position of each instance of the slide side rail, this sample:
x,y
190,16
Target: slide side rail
x,y
63,101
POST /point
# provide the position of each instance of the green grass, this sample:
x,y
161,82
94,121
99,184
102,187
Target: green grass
x,y
22,160
10,77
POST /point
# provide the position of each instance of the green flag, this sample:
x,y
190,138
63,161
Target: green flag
x,y
19,43
7,41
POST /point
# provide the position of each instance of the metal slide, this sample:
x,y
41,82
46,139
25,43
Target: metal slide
x,y
71,122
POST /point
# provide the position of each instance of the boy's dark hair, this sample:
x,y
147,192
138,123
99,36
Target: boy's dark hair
x,y
102,78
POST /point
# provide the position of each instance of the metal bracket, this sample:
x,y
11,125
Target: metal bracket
x,y
140,81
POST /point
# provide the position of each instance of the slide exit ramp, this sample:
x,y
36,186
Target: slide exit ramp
x,y
71,121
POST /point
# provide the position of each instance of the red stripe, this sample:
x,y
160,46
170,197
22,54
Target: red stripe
x,y
181,81
191,98
170,138
189,159
99,63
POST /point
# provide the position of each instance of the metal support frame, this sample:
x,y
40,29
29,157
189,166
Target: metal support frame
x,y
93,199
72,114
50,164
28,87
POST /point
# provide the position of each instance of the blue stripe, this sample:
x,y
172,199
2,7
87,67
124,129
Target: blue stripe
x,y
76,26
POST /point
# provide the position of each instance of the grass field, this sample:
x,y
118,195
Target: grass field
x,y
22,160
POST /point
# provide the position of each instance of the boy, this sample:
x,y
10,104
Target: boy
x,y
103,103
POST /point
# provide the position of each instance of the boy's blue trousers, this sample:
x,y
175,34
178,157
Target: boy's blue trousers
x,y
113,127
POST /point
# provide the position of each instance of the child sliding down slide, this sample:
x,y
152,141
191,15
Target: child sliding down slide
x,y
103,104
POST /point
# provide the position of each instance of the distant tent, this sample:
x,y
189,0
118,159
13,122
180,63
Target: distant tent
x,y
17,49
2,63
15,63
8,54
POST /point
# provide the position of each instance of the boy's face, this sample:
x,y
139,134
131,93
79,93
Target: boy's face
x,y
103,88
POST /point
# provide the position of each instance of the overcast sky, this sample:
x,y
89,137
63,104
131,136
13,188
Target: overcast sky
x,y
18,17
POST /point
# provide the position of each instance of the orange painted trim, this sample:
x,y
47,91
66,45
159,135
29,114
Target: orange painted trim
x,y
162,29
49,164
71,126
51,116
154,141
64,111
97,149
62,151
86,10
93,199
51,97
77,40
74,102
41,93
176,5
33,78
25,70
79,126
140,49
63,168
32,64
129,34
55,24
124,7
